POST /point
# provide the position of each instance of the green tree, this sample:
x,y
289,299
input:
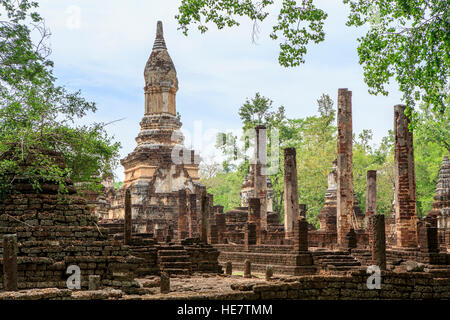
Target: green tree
x,y
118,185
434,127
226,188
407,39
256,111
428,156
37,117
297,24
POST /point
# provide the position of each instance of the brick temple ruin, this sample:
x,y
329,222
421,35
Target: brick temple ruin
x,y
163,223
160,166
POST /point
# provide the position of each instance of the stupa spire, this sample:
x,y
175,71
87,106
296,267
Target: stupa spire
x,y
161,83
159,41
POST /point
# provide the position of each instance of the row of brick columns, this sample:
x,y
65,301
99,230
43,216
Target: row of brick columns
x,y
406,218
187,216
212,224
405,187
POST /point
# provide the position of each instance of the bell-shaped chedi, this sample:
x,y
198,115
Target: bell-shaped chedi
x,y
160,71
160,165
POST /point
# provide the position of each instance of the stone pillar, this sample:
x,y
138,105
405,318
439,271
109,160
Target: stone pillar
x,y
213,234
159,234
301,235
447,240
428,237
229,268
254,210
247,269
260,174
10,262
345,219
371,202
149,227
302,210
250,235
169,234
182,215
371,193
211,205
291,207
193,220
221,226
165,283
202,191
128,218
378,230
304,263
405,181
204,222
350,240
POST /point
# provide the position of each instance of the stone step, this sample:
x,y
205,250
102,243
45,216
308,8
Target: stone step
x,y
336,260
341,268
278,269
341,263
172,252
171,247
163,259
327,253
176,265
176,271
143,249
341,257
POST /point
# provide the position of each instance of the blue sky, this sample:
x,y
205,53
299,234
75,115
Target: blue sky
x,y
101,47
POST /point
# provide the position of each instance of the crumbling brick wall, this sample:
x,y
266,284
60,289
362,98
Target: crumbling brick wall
x,y
56,231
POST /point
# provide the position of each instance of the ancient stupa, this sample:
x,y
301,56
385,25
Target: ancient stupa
x,y
159,166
